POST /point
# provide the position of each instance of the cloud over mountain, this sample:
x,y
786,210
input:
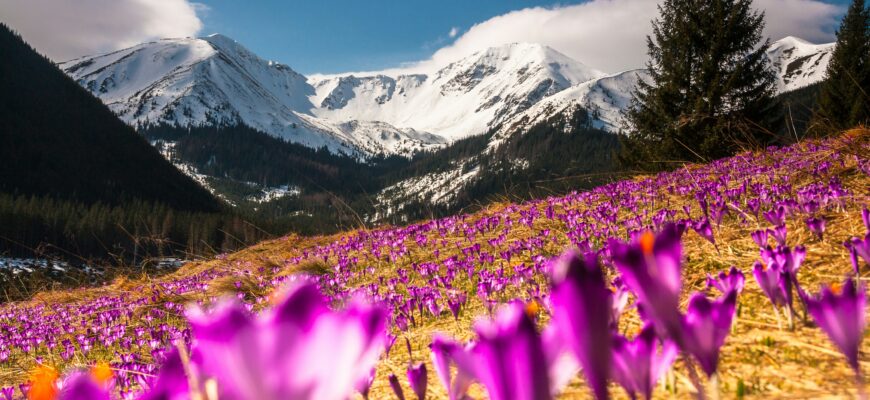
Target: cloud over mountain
x,y
610,34
65,29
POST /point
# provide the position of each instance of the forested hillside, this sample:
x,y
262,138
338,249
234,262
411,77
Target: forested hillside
x,y
76,182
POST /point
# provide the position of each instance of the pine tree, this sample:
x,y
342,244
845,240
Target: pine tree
x,y
844,99
711,89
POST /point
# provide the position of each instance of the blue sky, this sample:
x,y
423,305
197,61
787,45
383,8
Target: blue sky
x,y
334,36
331,36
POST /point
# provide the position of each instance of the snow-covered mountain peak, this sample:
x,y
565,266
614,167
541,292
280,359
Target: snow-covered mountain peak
x,y
467,97
215,80
522,55
799,63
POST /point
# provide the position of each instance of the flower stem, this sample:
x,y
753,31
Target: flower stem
x,y
778,317
693,376
714,386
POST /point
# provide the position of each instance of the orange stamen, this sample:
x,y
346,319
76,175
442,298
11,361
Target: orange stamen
x,y
43,383
836,289
532,309
647,240
102,372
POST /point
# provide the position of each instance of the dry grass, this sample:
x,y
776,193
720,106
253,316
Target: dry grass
x,y
760,359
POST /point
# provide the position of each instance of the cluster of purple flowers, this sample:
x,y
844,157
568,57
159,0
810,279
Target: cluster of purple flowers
x,y
324,335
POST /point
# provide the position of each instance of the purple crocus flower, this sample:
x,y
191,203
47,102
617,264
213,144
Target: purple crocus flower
x,y
779,233
417,379
787,261
442,353
775,216
760,237
858,248
768,278
454,302
651,268
816,226
300,349
706,326
637,365
839,311
727,280
7,392
582,315
508,357
703,229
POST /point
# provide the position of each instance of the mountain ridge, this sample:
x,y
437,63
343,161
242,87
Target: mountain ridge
x,y
214,81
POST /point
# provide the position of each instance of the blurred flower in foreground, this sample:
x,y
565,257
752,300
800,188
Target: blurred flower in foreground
x,y
508,357
651,269
637,365
299,350
839,311
82,386
417,378
442,356
582,315
706,325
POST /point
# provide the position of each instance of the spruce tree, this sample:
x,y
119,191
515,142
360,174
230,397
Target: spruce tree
x,y
844,98
710,90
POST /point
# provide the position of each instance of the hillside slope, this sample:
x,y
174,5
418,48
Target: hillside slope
x,y
500,255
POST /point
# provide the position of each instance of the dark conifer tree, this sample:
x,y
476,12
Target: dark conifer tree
x,y
844,99
711,89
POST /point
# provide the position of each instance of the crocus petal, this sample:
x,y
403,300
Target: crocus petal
x,y
651,268
840,313
707,324
562,365
768,281
417,379
396,386
726,280
581,313
301,307
442,353
508,358
637,366
314,354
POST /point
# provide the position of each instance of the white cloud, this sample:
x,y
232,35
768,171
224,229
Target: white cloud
x,y
65,29
453,32
610,34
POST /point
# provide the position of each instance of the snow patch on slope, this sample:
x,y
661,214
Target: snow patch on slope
x,y
432,188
